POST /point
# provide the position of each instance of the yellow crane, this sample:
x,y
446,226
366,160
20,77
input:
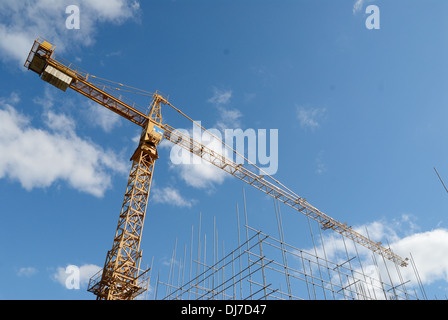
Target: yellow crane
x,y
122,277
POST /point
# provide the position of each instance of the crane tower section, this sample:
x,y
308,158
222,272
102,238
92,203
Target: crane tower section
x,y
122,277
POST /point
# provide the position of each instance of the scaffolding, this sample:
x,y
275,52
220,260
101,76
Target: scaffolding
x,y
266,267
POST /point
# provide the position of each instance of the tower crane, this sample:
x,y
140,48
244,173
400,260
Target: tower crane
x,y
122,277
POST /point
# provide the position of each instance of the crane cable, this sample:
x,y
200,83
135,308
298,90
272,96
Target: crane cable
x,y
137,90
149,94
233,150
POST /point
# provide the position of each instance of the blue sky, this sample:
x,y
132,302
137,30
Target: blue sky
x,y
360,116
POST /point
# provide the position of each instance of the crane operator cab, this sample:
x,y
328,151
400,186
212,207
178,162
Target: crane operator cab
x,y
150,138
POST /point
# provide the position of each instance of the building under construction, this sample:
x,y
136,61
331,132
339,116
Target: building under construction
x,y
264,266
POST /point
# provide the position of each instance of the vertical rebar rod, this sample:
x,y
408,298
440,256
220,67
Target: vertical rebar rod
x,y
326,262
377,268
191,261
171,273
366,290
419,281
156,285
223,269
178,285
350,265
317,257
305,274
150,272
339,276
247,239
239,249
199,255
183,268
379,276
262,264
214,251
402,283
204,263
282,244
312,279
390,279
233,276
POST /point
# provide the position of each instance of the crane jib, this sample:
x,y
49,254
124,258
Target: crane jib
x,y
275,191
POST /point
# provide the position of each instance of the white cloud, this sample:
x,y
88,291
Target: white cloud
x,y
310,118
47,101
320,163
197,172
39,158
220,97
102,117
228,117
170,196
112,10
428,250
203,175
26,271
357,7
59,122
23,21
13,98
86,271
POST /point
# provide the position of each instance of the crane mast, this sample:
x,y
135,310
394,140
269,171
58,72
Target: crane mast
x,y
122,277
